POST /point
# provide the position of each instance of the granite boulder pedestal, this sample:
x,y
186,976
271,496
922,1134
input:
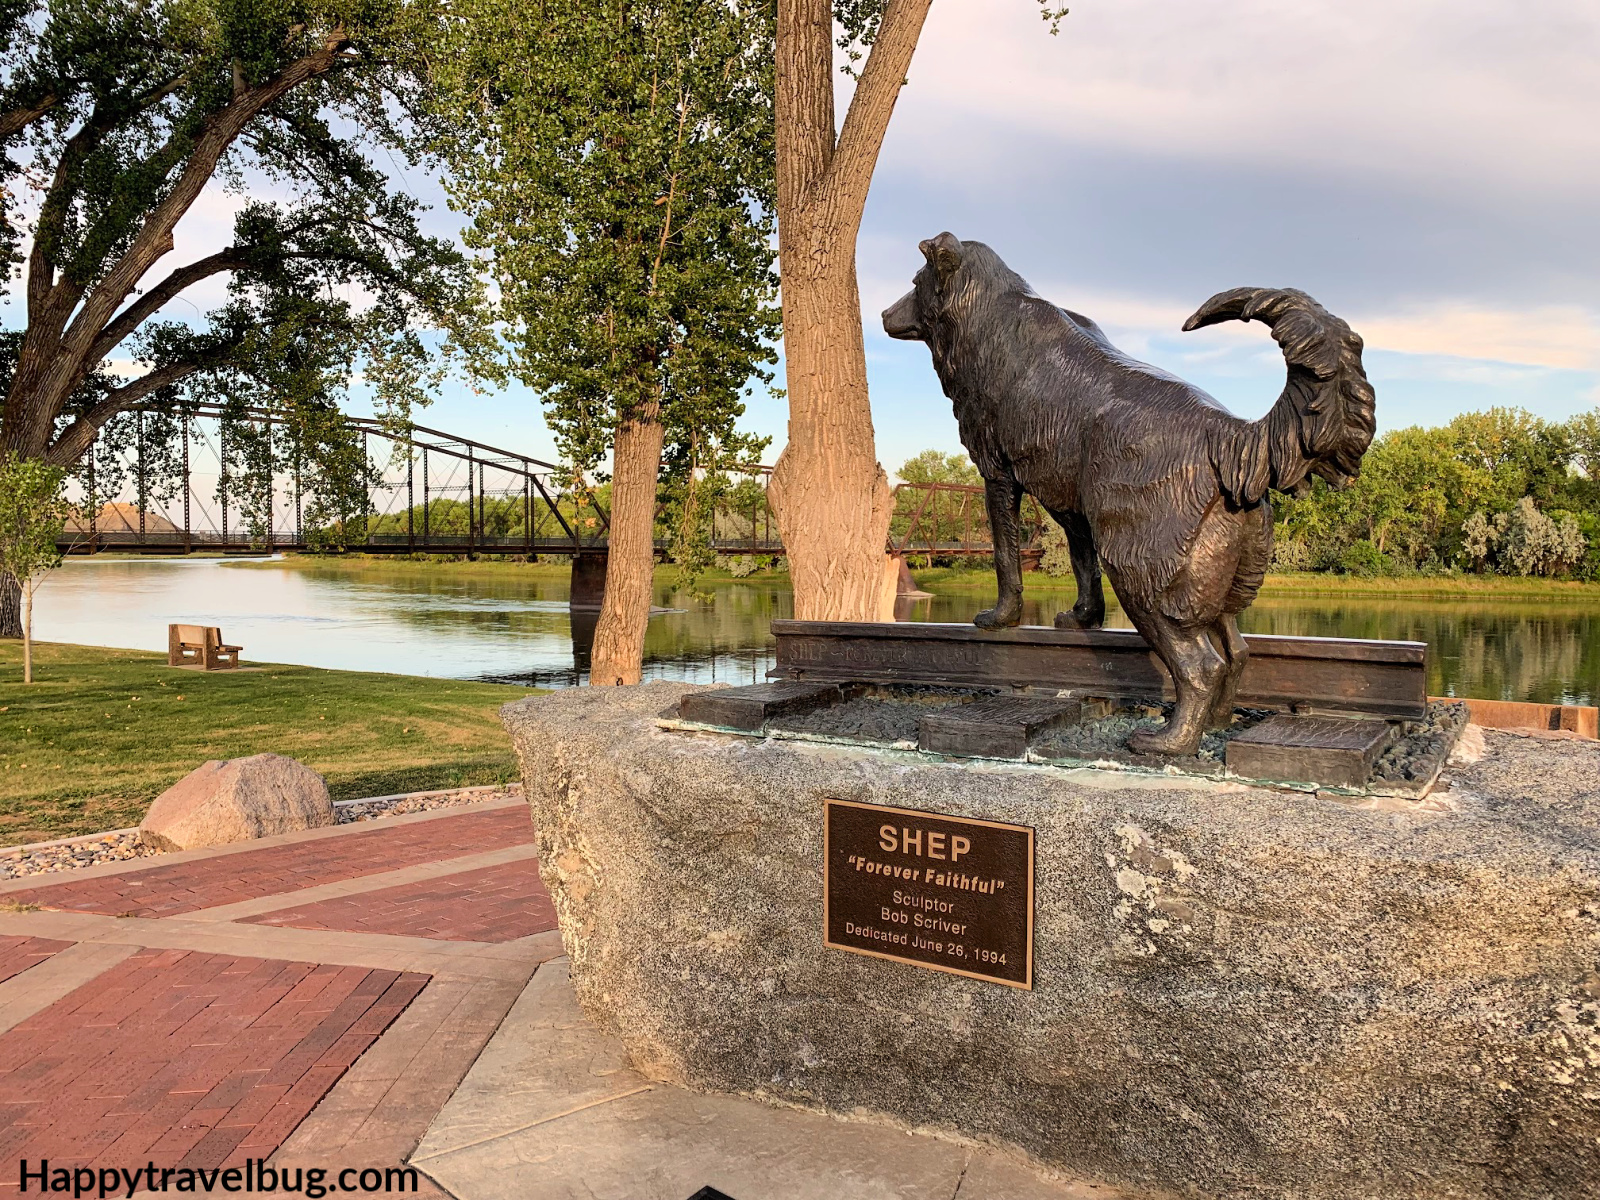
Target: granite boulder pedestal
x,y
1236,991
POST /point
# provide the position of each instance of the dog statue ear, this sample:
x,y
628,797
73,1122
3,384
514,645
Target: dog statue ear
x,y
943,254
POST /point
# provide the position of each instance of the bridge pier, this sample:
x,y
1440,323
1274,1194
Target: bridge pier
x,y
905,587
588,579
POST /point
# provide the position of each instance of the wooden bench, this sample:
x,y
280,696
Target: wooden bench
x,y
201,646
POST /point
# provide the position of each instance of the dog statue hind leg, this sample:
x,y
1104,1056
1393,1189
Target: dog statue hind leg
x,y
1090,610
1198,673
1235,653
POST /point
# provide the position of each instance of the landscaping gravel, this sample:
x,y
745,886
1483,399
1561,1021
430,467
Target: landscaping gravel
x,y
123,845
91,852
371,810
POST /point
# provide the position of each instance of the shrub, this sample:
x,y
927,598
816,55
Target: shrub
x,y
1292,554
1363,558
1525,541
1057,560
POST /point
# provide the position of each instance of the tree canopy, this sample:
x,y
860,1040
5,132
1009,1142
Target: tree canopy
x,y
116,115
615,161
1498,490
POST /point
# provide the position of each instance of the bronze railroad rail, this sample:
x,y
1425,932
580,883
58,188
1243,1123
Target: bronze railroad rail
x,y
1310,674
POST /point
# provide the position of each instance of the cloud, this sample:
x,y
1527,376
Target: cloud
x,y
1432,92
1429,171
1564,337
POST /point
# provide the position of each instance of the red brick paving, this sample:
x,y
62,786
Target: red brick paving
x,y
185,1059
491,904
251,874
17,954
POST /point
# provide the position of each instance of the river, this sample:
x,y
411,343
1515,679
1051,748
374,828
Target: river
x,y
502,623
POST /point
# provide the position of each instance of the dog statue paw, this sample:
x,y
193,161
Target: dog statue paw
x,y
1173,741
1081,617
1001,616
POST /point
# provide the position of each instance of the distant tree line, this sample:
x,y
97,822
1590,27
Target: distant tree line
x,y
1496,492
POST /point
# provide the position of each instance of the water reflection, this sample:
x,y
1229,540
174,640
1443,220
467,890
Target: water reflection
x,y
515,626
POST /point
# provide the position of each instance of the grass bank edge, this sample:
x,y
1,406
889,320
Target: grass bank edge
x,y
104,731
956,579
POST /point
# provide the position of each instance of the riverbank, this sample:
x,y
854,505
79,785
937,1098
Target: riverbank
x,y
1443,587
395,566
103,732
959,579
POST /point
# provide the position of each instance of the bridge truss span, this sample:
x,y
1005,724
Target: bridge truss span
x,y
427,491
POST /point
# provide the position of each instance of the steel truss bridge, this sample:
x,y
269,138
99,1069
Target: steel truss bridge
x,y
499,503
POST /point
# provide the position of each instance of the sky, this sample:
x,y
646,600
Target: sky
x,y
1429,171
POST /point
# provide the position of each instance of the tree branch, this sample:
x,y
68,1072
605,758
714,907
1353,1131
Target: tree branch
x,y
130,318
58,199
53,213
155,239
18,119
76,438
849,175
803,100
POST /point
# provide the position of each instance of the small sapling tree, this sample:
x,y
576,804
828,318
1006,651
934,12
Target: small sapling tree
x,y
33,514
615,157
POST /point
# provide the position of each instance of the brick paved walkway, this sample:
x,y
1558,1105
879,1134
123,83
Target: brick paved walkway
x,y
140,1022
492,904
187,1059
17,954
249,874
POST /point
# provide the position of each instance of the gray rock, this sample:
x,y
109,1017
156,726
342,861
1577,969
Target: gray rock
x,y
1238,992
236,800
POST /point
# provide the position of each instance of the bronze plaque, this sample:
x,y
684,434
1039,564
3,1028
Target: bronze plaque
x,y
949,893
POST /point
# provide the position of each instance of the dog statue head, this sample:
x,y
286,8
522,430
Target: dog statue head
x,y
909,317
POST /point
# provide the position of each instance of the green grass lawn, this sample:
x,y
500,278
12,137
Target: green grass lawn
x,y
103,732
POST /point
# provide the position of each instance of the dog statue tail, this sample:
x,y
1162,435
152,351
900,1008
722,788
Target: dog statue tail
x,y
1322,422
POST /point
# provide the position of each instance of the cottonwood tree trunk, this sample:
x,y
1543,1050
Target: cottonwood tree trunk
x,y
832,497
625,612
10,606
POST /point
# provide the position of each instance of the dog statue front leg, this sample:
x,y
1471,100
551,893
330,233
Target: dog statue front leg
x,y
1003,498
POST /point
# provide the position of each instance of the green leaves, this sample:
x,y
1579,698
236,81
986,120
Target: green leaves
x,y
121,111
1430,499
616,161
33,513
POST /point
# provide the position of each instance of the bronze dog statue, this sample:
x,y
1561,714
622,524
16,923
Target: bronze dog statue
x,y
1146,474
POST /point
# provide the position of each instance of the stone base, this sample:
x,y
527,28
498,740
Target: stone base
x,y
1237,992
